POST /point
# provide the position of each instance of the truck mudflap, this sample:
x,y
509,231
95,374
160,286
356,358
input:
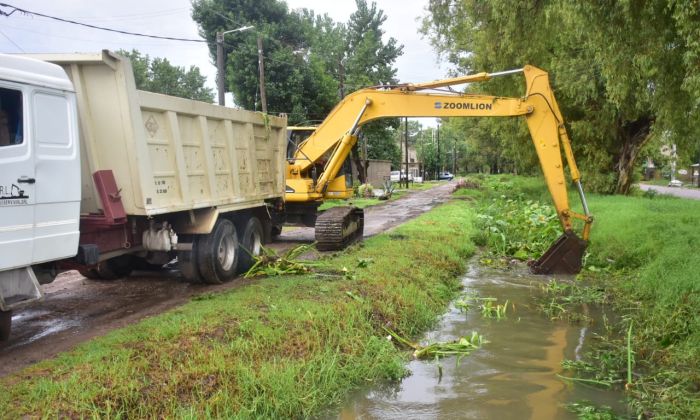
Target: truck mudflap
x,y
565,256
17,288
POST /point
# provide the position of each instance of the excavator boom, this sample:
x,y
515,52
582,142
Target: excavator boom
x,y
332,141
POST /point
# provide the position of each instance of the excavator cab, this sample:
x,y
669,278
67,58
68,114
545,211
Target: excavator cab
x,y
295,137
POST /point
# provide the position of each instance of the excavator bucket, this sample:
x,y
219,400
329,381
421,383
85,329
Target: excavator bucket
x,y
563,257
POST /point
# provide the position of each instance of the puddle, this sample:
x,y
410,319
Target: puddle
x,y
511,377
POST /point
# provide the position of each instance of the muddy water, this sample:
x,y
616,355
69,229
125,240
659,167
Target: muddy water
x,y
511,377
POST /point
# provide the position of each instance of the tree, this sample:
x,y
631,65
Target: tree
x,y
310,60
624,72
158,75
369,61
300,53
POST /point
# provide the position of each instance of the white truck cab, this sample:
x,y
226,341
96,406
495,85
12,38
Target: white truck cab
x,y
39,176
98,176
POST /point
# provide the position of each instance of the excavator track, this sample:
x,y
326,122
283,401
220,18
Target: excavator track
x,y
338,227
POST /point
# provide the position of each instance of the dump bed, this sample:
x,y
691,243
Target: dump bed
x,y
169,154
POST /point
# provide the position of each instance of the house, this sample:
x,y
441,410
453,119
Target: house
x,y
415,166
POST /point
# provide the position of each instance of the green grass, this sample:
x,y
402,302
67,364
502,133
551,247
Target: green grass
x,y
282,347
644,253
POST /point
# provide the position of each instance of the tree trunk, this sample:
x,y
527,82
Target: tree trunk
x,y
635,135
360,165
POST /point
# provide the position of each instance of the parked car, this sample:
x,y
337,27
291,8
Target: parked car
x,y
445,176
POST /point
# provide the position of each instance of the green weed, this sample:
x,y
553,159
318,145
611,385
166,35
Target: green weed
x,y
282,347
516,227
564,300
585,410
460,347
491,309
643,260
270,263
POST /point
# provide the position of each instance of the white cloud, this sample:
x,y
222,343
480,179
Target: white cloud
x,y
31,34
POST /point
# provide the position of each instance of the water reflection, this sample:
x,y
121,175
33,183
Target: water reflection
x,y
514,376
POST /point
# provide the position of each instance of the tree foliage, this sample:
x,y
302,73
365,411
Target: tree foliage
x,y
369,61
304,54
624,72
311,61
158,75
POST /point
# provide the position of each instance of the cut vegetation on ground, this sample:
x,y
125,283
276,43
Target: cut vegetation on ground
x,y
280,347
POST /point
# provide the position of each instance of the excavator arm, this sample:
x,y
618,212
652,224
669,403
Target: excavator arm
x,y
335,137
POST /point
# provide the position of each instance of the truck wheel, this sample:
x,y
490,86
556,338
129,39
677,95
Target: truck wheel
x,y
5,325
217,253
187,261
251,244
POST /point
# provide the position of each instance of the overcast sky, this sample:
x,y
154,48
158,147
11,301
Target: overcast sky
x,y
22,33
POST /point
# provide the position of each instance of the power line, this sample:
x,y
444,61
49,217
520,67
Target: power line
x,y
17,9
161,44
11,41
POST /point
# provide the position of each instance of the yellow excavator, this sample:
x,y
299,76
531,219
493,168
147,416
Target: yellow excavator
x,y
315,163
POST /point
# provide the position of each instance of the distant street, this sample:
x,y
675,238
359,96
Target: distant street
x,y
677,192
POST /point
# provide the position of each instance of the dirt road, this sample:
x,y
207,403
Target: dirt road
x,y
76,309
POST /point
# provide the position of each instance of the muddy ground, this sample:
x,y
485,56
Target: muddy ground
x,y
76,309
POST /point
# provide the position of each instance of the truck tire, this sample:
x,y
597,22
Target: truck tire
x,y
187,261
5,325
217,253
251,244
187,264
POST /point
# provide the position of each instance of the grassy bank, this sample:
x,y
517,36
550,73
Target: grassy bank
x,y
284,347
645,256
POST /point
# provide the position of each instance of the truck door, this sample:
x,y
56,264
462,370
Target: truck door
x,y
57,188
17,180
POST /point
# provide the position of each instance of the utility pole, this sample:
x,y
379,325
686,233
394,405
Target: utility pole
x,y
261,66
220,71
405,125
454,159
220,66
341,79
437,162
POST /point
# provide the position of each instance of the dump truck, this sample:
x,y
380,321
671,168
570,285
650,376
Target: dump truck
x,y
101,177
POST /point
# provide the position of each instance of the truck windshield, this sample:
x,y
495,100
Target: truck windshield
x,y
10,117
